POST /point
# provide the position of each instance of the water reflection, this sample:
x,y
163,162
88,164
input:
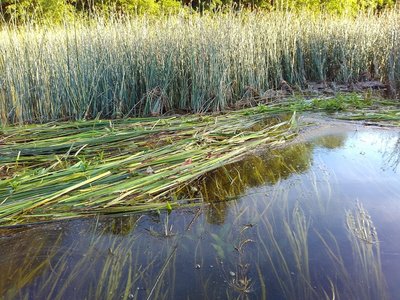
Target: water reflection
x,y
331,141
122,225
216,212
26,255
270,167
233,180
295,231
392,154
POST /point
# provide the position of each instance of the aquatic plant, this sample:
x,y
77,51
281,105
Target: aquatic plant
x,y
54,176
116,262
274,242
20,268
392,155
150,66
360,225
366,250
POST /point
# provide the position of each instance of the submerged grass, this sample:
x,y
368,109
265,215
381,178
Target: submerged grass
x,y
277,242
143,66
366,248
366,275
118,265
58,171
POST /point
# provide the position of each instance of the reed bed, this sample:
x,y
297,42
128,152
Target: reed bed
x,y
143,66
57,171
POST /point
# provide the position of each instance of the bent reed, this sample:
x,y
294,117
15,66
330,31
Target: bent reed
x,y
146,66
58,171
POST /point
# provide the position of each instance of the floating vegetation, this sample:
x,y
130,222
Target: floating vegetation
x,y
373,110
59,171
293,237
391,116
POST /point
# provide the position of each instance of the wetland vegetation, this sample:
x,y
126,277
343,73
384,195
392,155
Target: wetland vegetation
x,y
293,230
161,150
124,67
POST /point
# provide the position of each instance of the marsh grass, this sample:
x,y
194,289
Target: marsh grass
x,y
141,66
258,249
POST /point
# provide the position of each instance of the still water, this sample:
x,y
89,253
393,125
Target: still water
x,y
319,219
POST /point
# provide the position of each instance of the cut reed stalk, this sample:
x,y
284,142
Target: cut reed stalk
x,y
120,169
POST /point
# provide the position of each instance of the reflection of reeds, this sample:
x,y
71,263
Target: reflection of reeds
x,y
108,267
26,259
392,155
232,180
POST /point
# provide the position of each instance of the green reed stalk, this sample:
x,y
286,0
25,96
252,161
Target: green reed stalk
x,y
127,166
146,66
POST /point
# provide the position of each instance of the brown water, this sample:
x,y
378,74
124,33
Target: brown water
x,y
274,227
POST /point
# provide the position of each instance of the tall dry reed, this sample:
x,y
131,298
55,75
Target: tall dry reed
x,y
140,66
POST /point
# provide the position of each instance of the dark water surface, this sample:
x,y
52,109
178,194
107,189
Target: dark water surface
x,y
315,220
